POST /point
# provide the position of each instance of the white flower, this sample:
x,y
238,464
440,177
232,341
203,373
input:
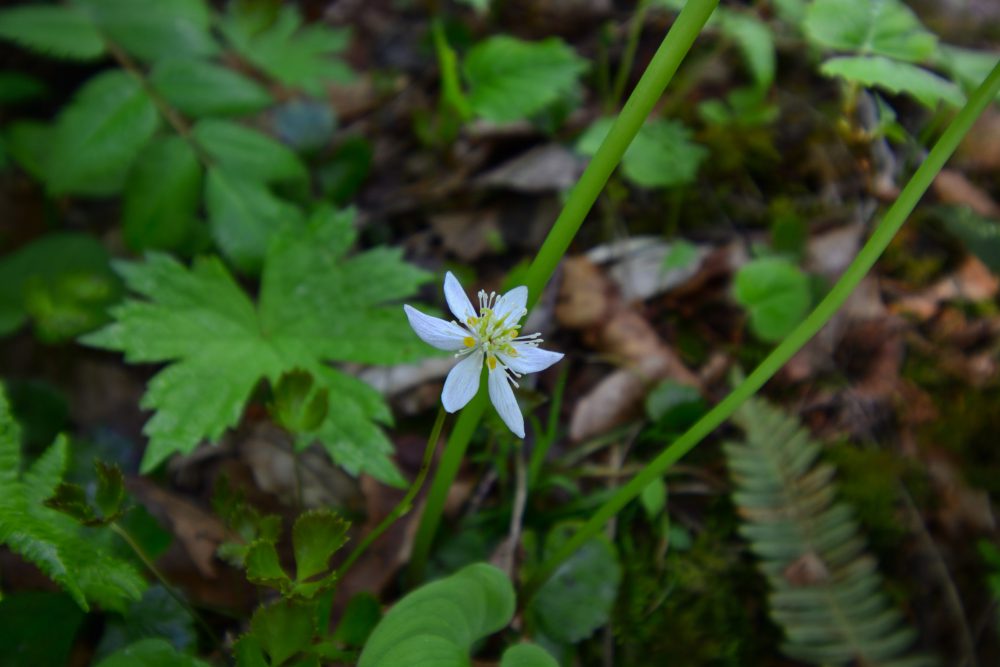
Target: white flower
x,y
489,335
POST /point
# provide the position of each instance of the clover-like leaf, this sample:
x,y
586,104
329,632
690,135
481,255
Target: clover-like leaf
x,y
775,293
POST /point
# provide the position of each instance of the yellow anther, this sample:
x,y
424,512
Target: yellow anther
x,y
469,341
491,361
472,320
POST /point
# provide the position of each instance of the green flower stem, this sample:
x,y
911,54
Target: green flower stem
x,y
155,571
869,254
406,503
581,199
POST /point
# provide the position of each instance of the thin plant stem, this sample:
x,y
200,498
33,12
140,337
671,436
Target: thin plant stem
x,y
544,443
665,62
628,55
406,504
155,571
816,320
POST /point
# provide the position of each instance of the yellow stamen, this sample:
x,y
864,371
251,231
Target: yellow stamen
x,y
469,341
491,361
472,320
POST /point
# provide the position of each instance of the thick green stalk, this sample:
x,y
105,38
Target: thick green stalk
x,y
640,103
869,254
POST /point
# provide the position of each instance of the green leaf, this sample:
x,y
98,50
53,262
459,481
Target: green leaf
x,y
99,134
875,27
361,615
316,536
156,615
18,87
62,32
245,152
63,281
775,293
527,655
264,567
52,541
28,143
980,235
296,407
283,629
244,216
755,40
578,597
511,79
110,494
896,77
162,195
966,66
71,500
436,624
38,628
300,57
661,155
681,255
155,30
199,88
654,498
315,306
150,653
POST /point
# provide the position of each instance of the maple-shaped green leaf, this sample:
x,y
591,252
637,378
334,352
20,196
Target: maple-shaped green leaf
x,y
874,27
299,56
316,305
53,541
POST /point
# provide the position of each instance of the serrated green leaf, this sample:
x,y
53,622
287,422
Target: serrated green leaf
x,y
776,295
527,655
283,629
875,27
578,597
154,30
316,536
98,135
510,79
71,500
315,306
298,56
437,623
244,216
55,543
150,653
755,41
661,155
68,270
263,566
28,142
246,152
896,77
110,493
63,32
200,88
162,195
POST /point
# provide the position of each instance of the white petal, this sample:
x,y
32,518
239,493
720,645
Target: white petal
x,y
512,303
434,331
529,358
462,382
457,299
503,400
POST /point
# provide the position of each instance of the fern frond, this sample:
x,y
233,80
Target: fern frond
x,y
61,548
826,590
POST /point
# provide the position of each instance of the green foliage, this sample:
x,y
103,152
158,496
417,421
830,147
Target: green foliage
x,y
199,88
105,507
315,305
965,66
298,406
162,194
826,590
16,87
878,27
756,43
154,30
510,79
980,235
150,653
776,295
578,597
316,536
37,628
300,57
361,615
47,538
896,77
61,281
527,655
280,630
437,623
62,32
662,154
248,154
156,615
98,135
